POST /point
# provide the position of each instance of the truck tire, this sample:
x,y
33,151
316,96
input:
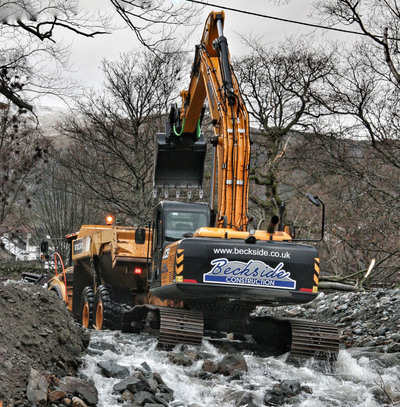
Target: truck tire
x,y
109,305
57,290
86,307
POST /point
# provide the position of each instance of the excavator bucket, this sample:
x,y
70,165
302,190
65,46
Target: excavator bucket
x,y
178,164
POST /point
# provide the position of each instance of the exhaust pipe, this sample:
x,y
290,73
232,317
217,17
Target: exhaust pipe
x,y
272,225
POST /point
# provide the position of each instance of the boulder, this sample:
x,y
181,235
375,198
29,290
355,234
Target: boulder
x,y
210,366
181,359
143,397
79,387
36,391
290,388
113,370
232,364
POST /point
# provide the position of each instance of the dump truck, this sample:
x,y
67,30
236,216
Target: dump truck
x,y
108,276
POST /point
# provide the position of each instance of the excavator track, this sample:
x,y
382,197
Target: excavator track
x,y
311,339
180,326
172,326
304,339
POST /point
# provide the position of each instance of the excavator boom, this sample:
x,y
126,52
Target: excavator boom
x,y
180,152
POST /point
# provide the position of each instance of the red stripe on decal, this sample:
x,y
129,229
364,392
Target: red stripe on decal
x,y
307,290
189,281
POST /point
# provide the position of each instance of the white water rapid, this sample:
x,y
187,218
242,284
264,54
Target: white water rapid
x,y
350,384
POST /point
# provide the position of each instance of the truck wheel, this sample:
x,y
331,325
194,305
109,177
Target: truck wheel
x,y
86,307
57,290
109,304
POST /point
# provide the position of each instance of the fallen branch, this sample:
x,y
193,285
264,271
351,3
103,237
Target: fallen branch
x,y
337,286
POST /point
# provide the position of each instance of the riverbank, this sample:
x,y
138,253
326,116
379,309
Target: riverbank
x,y
38,332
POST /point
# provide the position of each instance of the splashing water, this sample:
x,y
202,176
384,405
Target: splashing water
x,y
352,382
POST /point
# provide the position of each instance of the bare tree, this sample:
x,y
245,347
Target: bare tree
x,y
378,20
21,150
33,56
58,207
359,187
30,55
112,134
279,85
156,22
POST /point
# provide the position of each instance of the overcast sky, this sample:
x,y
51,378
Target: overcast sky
x,y
87,53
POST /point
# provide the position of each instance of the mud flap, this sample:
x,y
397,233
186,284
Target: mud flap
x,y
179,164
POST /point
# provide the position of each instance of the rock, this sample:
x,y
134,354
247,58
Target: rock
x,y
181,359
143,397
103,346
162,400
274,397
77,402
158,378
165,390
210,366
133,383
384,359
127,396
246,400
76,387
282,391
307,389
36,391
63,336
153,385
290,388
146,366
121,386
56,395
294,312
231,364
236,376
393,348
382,330
114,370
205,356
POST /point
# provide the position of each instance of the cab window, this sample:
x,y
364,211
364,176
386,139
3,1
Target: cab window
x,y
179,223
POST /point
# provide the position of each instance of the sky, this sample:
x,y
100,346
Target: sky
x,y
87,53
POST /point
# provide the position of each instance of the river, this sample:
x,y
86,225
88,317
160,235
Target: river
x,y
350,383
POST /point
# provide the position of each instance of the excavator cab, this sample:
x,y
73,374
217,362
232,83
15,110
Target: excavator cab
x,y
175,221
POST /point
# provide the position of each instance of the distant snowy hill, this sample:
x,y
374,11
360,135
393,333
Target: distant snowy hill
x,y
48,118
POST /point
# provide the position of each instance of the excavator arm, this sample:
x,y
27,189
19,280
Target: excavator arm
x,y
180,152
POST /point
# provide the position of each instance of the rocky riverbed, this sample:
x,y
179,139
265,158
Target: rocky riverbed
x,y
41,350
364,319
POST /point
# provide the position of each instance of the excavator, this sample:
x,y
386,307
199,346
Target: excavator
x,y
209,269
